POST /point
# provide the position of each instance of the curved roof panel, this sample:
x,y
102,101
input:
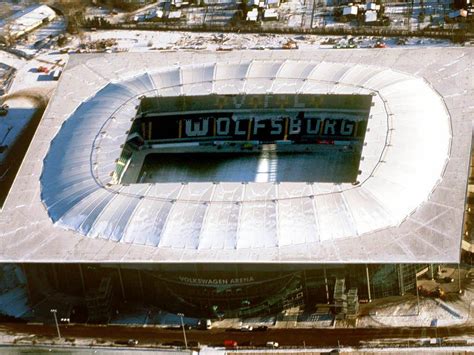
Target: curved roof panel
x,y
399,167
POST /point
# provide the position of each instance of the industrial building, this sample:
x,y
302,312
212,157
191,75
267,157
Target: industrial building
x,y
28,20
306,174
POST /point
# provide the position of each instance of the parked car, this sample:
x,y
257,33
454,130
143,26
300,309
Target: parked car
x,y
230,344
246,328
380,44
204,324
272,344
129,342
43,69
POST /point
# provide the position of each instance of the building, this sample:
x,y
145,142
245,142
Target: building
x,y
28,20
389,131
370,16
350,10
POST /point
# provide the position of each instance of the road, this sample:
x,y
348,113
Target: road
x,y
285,337
68,350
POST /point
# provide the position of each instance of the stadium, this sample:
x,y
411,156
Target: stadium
x,y
233,184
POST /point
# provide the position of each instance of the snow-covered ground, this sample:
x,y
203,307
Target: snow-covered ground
x,y
456,310
27,76
12,125
42,34
30,89
12,60
430,312
139,41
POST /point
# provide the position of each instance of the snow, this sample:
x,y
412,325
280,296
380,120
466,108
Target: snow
x,y
350,10
12,125
43,34
370,16
11,60
24,21
260,321
27,77
141,41
22,98
430,312
315,320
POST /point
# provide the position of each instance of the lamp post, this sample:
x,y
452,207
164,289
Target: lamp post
x,y
459,278
184,331
417,295
54,311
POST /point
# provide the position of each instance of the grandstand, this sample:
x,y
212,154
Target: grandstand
x,y
246,138
397,123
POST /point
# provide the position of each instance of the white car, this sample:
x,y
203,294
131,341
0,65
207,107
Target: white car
x,y
246,328
272,344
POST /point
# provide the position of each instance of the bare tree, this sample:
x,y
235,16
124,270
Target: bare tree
x,y
7,35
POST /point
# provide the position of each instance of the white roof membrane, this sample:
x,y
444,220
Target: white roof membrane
x,y
267,217
407,152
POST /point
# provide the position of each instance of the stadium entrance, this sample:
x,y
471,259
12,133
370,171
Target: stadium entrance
x,y
212,290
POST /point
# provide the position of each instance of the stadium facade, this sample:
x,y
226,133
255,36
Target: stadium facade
x,y
359,163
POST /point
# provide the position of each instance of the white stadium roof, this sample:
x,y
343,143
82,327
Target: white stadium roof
x,y
408,206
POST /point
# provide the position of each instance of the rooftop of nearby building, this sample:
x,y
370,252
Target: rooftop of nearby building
x,y
27,19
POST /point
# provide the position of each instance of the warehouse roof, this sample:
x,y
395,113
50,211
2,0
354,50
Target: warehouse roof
x,y
28,19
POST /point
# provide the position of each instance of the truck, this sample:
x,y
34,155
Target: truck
x,y
56,74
